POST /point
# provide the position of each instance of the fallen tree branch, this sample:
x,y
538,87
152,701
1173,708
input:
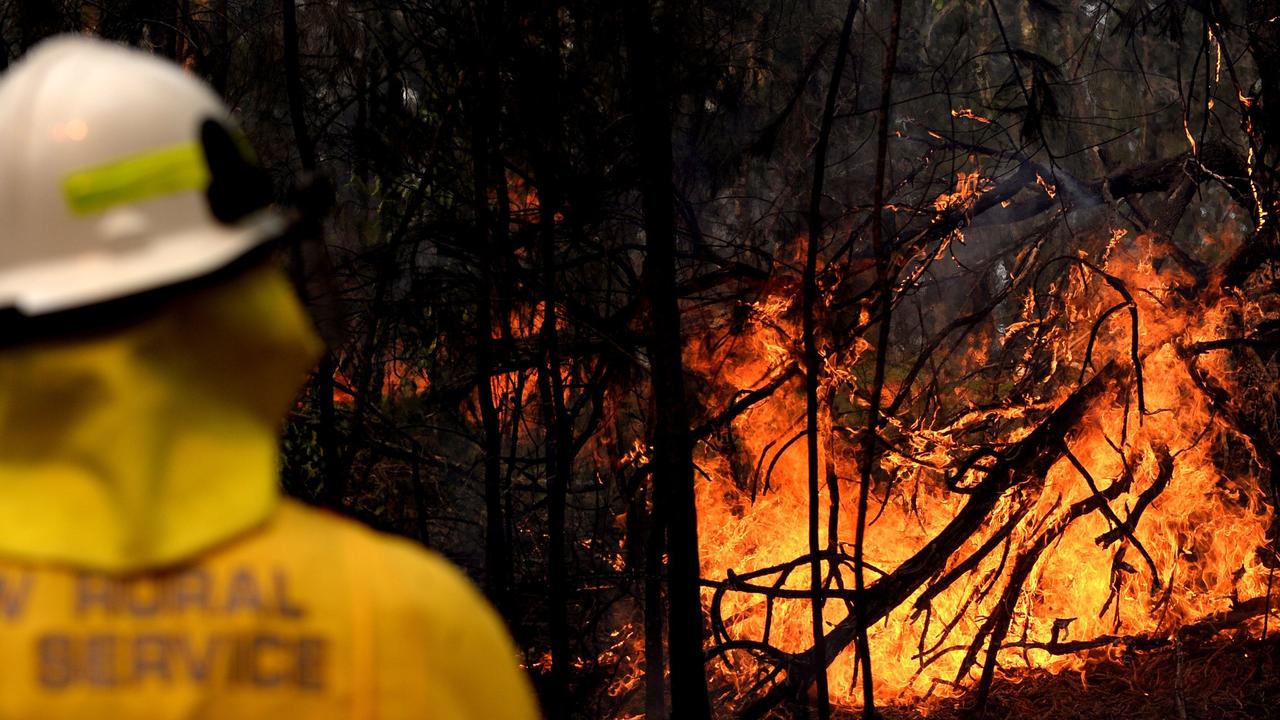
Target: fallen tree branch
x,y
1025,464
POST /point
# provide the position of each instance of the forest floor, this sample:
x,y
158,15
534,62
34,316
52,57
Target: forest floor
x,y
1223,679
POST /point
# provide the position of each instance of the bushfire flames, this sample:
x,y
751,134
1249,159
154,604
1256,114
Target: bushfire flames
x,y
1134,531
1069,484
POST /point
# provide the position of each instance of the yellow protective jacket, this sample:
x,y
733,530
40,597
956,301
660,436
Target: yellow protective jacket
x,y
149,569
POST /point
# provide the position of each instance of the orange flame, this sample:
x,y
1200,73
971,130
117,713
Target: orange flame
x,y
1195,547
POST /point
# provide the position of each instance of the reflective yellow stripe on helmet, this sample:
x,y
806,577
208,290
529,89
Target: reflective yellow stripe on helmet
x,y
166,171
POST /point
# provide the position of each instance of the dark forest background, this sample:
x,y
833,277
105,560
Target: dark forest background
x,y
545,209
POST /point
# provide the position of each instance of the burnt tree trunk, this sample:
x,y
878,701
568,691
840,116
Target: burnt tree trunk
x,y
884,313
671,467
334,483
541,108
813,360
334,474
219,56
497,563
559,467
293,84
655,654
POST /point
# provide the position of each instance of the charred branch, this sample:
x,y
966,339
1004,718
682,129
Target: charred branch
x,y
1025,465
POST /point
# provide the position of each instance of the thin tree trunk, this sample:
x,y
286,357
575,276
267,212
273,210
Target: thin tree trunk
x,y
559,467
221,53
884,288
497,565
655,676
542,109
334,490
182,31
293,85
671,466
169,30
813,360
497,572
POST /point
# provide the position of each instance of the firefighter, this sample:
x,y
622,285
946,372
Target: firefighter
x,y
148,566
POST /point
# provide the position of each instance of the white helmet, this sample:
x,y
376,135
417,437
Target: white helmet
x,y
107,179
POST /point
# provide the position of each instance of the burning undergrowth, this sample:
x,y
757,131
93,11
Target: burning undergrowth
x,y
1077,471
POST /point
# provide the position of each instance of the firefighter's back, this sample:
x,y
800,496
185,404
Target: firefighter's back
x,y
310,616
148,354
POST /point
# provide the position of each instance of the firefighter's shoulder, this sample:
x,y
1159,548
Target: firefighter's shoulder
x,y
421,612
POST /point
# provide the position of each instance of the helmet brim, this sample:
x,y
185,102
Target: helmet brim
x,y
96,277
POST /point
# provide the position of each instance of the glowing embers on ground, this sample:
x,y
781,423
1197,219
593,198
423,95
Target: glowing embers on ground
x,y
1141,524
